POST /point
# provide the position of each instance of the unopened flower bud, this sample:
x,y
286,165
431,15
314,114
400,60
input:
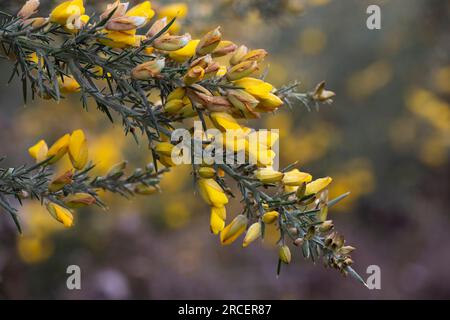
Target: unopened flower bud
x,y
299,242
116,171
171,43
164,148
284,254
59,182
193,75
322,95
346,250
119,10
79,200
209,42
225,47
58,149
253,233
238,55
157,27
231,232
148,70
257,55
206,172
29,8
173,106
242,70
125,23
270,217
326,226
60,213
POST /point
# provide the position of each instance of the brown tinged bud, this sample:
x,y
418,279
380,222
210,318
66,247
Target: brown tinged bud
x,y
148,70
61,181
238,55
29,8
171,43
209,42
300,193
225,47
120,10
257,55
194,75
156,27
322,95
299,242
125,23
346,250
293,231
242,70
79,200
326,226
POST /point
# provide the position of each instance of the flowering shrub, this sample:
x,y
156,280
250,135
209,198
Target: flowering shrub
x,y
107,60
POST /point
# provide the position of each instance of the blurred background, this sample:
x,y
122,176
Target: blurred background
x,y
386,139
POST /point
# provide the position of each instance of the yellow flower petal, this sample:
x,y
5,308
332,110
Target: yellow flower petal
x,y
212,192
183,54
59,148
78,150
296,178
217,219
317,185
231,232
39,151
61,214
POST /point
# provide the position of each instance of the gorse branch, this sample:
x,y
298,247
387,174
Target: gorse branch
x,y
106,60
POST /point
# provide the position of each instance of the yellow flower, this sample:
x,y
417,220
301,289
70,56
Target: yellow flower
x,y
76,23
183,54
61,214
68,85
206,172
317,185
79,200
212,192
285,254
270,103
224,121
143,9
166,161
66,10
255,87
78,150
194,75
268,175
119,39
296,178
178,93
164,149
59,148
270,217
232,231
217,219
253,233
39,151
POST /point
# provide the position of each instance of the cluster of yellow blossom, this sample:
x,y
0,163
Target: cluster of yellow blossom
x,y
75,145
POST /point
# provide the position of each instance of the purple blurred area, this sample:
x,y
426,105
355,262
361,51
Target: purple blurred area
x,y
386,139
